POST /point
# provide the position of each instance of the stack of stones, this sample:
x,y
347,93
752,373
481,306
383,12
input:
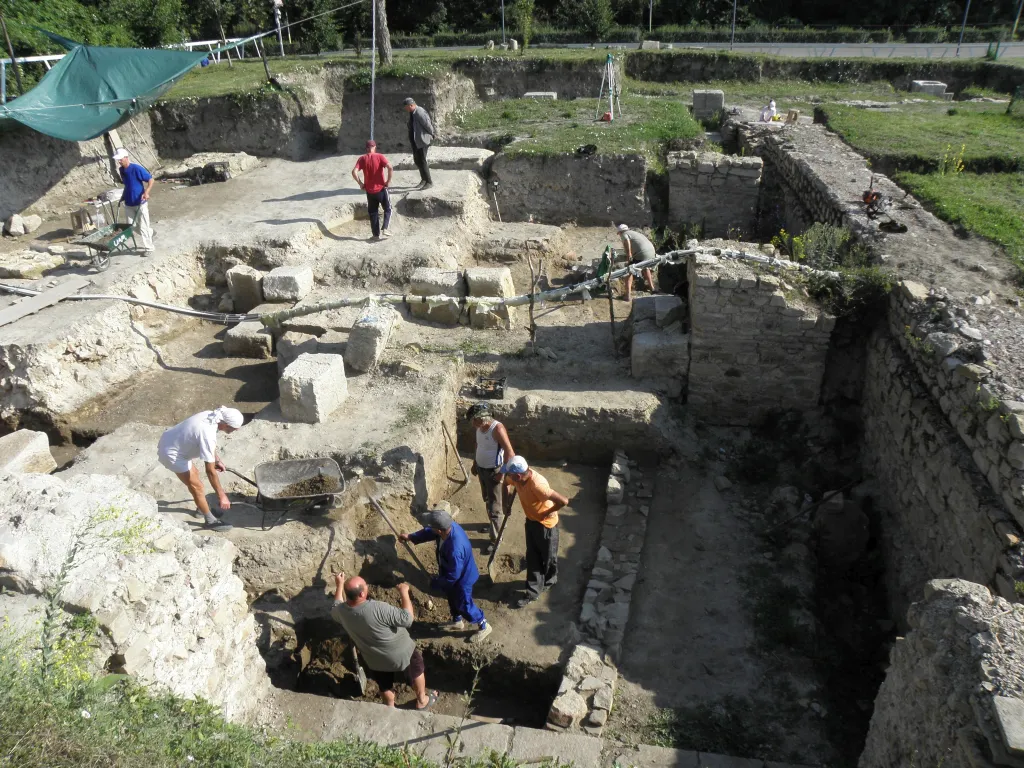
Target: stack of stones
x,y
586,693
444,291
718,192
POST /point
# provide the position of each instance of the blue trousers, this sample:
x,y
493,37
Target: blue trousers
x,y
460,600
375,200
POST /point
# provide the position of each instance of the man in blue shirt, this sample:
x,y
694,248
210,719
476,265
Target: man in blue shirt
x,y
456,570
137,184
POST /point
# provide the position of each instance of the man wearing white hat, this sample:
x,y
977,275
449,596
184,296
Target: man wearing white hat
x,y
196,438
137,184
540,506
638,248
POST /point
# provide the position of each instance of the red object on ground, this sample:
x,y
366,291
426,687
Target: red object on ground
x,y
606,117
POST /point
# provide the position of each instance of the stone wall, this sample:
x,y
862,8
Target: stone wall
x,y
43,175
509,77
170,609
718,193
756,345
954,692
562,188
941,441
445,98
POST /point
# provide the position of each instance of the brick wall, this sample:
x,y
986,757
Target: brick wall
x,y
717,192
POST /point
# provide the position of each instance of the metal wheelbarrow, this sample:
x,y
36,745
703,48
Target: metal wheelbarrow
x,y
107,240
276,494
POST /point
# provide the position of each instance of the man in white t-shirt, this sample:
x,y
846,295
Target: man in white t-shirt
x,y
493,449
196,438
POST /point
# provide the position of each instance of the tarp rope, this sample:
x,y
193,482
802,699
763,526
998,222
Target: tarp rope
x,y
275,319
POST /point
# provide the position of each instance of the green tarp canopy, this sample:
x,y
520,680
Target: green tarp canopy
x,y
94,89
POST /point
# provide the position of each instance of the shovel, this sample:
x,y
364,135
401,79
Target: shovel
x,y
491,567
360,672
367,490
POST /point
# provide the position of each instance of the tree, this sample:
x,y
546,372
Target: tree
x,y
593,17
154,23
522,16
383,35
321,33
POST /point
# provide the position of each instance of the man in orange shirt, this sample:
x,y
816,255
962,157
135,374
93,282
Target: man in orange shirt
x,y
376,179
540,505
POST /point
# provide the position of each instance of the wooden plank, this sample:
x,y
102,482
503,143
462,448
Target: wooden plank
x,y
34,303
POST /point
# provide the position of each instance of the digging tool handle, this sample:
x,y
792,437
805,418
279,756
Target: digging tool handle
x,y
501,534
360,672
451,441
408,547
239,474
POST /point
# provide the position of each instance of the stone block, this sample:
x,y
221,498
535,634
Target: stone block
x,y
26,451
369,338
551,95
614,490
291,345
603,698
659,354
707,102
246,287
313,387
14,226
1010,716
529,744
249,339
490,281
1015,455
567,709
288,283
29,265
650,45
931,87
914,291
667,310
430,281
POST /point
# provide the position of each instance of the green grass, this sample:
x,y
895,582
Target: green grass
x,y
914,137
990,205
244,77
786,92
552,127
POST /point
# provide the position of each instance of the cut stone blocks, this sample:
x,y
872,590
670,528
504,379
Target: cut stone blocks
x,y
313,387
551,95
246,287
26,451
249,339
657,354
430,281
291,345
369,338
931,87
288,283
490,281
650,45
707,102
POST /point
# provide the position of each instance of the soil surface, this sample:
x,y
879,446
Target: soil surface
x,y
311,486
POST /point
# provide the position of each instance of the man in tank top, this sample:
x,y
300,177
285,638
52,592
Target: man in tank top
x,y
493,450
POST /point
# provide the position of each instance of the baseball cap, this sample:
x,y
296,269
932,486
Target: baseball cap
x,y
409,101
437,519
517,466
371,144
623,227
478,409
120,154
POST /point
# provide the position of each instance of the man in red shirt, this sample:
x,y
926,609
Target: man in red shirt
x,y
376,179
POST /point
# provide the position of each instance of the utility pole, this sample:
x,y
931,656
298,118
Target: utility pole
x,y
1016,21
502,22
963,27
732,42
277,23
650,19
10,50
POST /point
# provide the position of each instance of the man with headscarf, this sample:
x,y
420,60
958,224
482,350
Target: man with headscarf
x,y
540,505
456,570
493,448
196,438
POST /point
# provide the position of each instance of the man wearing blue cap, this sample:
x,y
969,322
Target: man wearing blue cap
x,y
456,570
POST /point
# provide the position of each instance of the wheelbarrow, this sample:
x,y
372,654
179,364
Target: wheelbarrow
x,y
275,485
109,239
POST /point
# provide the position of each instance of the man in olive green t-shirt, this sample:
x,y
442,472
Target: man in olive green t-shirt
x,y
381,633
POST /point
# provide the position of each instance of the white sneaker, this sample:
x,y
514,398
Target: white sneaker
x,y
454,626
385,234
481,634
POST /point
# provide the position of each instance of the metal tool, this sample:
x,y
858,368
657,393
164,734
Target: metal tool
x,y
380,511
451,441
501,533
360,672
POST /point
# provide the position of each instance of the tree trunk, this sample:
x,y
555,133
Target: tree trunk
x,y
223,39
383,36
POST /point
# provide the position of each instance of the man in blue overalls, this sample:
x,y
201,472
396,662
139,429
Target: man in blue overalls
x,y
456,570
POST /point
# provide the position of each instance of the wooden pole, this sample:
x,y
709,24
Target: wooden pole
x,y
263,55
611,299
10,50
533,290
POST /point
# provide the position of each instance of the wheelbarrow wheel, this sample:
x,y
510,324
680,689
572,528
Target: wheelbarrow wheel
x,y
101,260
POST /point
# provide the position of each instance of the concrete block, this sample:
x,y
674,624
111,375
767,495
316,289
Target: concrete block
x,y
659,354
313,387
931,87
369,338
650,45
656,757
569,749
552,95
249,339
26,451
490,281
288,283
246,287
706,102
430,281
291,345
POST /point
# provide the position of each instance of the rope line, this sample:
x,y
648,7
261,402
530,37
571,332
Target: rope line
x,y
373,64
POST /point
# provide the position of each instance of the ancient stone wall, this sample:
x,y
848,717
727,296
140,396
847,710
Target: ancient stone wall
x,y
445,98
954,692
44,175
171,611
941,443
558,189
509,77
756,346
717,193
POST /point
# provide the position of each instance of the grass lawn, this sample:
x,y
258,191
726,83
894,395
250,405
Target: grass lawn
x,y
990,204
914,137
546,127
787,93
